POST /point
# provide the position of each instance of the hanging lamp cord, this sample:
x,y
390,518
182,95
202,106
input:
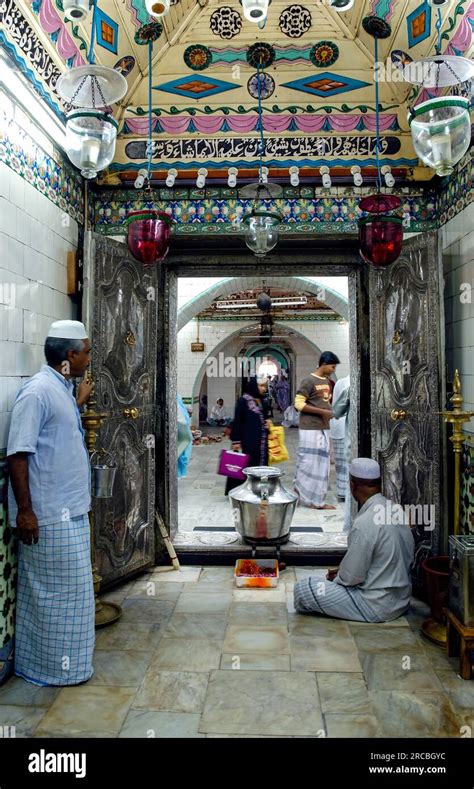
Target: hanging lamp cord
x,y
90,56
150,117
377,118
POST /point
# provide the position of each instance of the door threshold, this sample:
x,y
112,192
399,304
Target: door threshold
x,y
291,555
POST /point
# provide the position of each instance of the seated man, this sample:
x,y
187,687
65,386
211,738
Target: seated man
x,y
373,582
219,416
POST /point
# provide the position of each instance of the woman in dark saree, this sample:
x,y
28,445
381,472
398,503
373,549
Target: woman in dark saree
x,y
249,432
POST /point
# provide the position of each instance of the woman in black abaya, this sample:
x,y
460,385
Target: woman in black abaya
x,y
249,432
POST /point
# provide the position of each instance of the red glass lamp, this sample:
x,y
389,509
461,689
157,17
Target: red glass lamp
x,y
148,236
380,233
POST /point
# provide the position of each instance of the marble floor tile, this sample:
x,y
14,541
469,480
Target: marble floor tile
x,y
350,726
184,575
394,672
386,640
118,594
151,590
173,691
317,626
460,691
119,668
323,654
223,586
146,610
196,626
216,574
262,662
176,725
261,702
402,621
187,654
277,595
191,603
124,635
343,694
87,708
415,714
290,603
19,692
254,613
438,656
244,639
21,721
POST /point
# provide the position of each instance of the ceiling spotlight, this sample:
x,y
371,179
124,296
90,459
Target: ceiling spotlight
x,y
171,177
255,10
341,5
355,171
157,8
76,9
294,176
438,3
232,179
326,177
201,179
387,174
140,179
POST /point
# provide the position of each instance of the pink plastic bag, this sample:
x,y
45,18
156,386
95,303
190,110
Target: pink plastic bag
x,y
232,463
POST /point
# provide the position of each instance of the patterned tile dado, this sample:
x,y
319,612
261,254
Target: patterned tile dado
x,y
467,488
459,192
57,181
218,211
7,582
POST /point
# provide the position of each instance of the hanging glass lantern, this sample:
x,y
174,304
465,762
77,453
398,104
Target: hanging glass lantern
x,y
380,233
148,235
90,140
441,131
261,233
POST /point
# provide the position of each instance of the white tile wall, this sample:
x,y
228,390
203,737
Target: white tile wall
x,y
330,336
458,260
35,236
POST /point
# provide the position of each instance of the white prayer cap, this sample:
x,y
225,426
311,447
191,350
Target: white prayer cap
x,y
262,379
364,468
68,330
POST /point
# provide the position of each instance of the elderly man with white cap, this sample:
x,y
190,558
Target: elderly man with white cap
x,y
372,583
49,501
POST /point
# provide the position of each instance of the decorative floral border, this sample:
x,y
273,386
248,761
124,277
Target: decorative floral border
x,y
219,211
459,191
467,488
55,179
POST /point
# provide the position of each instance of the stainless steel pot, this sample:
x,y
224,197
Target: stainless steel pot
x,y
262,507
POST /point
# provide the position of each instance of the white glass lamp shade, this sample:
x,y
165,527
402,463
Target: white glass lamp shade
x,y
157,8
441,132
255,10
90,141
261,232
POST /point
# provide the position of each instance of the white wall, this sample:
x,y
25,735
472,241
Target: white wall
x,y
35,236
458,260
326,335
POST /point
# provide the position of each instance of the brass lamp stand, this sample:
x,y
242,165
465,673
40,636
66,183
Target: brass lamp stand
x,y
433,630
105,613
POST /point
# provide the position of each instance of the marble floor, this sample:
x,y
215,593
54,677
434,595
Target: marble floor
x,y
193,656
202,502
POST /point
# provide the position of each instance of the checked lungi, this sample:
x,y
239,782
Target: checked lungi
x,y
315,596
312,467
55,609
342,472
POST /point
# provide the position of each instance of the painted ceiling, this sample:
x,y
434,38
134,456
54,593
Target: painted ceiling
x,y
317,83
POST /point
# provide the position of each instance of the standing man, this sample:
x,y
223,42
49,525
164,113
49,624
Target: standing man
x,y
373,581
49,501
338,438
313,401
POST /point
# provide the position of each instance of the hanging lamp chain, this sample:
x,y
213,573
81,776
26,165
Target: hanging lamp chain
x,y
377,117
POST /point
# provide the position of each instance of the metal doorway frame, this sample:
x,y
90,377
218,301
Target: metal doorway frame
x,y
331,256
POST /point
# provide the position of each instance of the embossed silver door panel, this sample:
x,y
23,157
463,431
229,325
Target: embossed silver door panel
x,y
120,311
407,388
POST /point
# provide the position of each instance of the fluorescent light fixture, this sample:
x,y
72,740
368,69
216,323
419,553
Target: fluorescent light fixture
x,y
25,97
280,301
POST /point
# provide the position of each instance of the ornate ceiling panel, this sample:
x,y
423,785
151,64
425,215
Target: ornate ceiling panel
x,y
317,85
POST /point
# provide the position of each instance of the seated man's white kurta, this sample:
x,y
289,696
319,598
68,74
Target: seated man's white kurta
x,y
373,582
